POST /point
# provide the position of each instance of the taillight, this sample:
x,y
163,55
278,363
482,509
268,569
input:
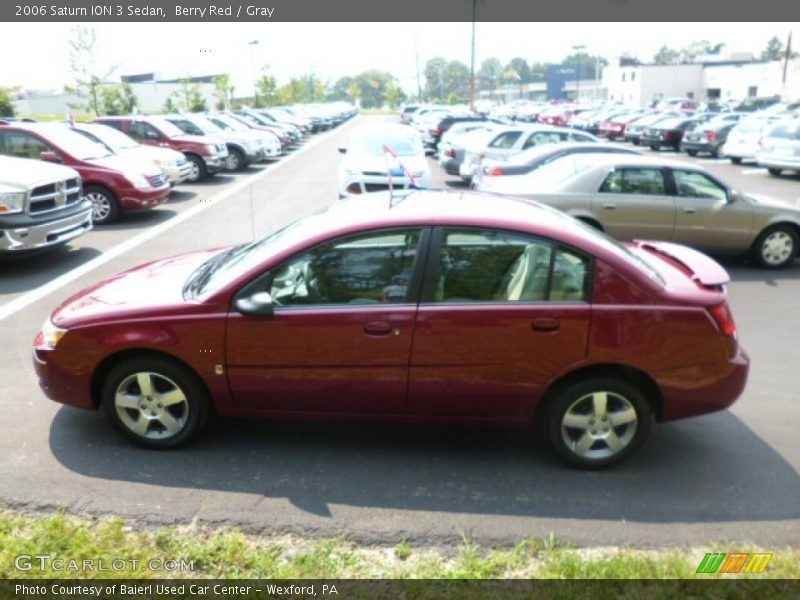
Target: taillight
x,y
436,132
711,136
495,171
450,153
724,319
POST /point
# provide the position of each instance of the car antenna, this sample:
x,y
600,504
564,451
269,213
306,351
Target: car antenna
x,y
412,180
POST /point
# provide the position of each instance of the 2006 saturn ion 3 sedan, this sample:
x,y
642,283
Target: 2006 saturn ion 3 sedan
x,y
429,307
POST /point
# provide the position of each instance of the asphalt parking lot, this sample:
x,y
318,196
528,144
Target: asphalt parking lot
x,y
731,476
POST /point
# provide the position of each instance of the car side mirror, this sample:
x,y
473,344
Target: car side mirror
x,y
733,196
342,150
259,304
50,156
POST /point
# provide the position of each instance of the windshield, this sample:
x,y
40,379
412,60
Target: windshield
x,y
114,139
372,144
226,267
166,127
205,125
75,144
227,123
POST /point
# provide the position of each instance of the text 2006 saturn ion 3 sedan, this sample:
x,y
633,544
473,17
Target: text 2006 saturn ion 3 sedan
x,y
444,307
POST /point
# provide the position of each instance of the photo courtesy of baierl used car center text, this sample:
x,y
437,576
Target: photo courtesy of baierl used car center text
x,y
463,299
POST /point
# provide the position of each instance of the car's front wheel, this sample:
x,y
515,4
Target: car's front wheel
x,y
597,422
776,247
105,208
774,171
155,402
691,152
198,170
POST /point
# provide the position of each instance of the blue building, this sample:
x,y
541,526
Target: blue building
x,y
558,75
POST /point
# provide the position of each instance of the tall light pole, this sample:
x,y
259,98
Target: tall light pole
x,y
472,61
577,49
252,45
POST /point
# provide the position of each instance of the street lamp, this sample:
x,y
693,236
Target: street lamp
x,y
577,48
252,44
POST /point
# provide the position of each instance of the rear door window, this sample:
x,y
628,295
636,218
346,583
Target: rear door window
x,y
635,181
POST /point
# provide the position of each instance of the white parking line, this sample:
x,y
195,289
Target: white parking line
x,y
752,171
33,296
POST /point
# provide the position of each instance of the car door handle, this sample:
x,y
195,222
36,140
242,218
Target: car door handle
x,y
609,206
689,211
378,328
545,324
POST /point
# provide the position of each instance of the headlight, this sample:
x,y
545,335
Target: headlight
x,y
167,164
51,334
137,180
211,148
12,203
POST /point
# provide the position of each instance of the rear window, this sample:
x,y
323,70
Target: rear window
x,y
785,132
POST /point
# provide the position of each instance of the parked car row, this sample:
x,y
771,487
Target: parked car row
x,y
116,165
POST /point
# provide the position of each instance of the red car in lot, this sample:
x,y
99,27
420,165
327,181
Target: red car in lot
x,y
206,154
436,307
114,184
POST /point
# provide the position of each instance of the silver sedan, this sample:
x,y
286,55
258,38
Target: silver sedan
x,y
649,198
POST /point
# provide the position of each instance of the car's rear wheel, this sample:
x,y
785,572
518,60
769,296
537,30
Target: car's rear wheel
x,y
597,422
691,152
774,171
776,247
735,160
105,207
654,147
155,402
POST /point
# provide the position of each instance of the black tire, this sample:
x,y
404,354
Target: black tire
x,y
715,152
236,160
635,142
774,171
199,170
776,247
735,160
575,398
655,147
691,152
105,206
163,375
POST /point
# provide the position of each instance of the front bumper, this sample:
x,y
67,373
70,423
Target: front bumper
x,y
43,235
351,185
134,200
177,174
215,162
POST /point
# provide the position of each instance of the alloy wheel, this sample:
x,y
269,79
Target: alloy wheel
x,y
151,405
599,425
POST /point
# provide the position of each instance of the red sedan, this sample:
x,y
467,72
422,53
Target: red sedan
x,y
443,307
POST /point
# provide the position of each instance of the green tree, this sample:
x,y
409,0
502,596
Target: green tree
x,y
89,77
170,106
695,49
223,91
456,79
266,88
775,50
520,65
434,78
488,74
372,86
339,89
112,101
393,94
6,104
189,98
129,99
666,56
593,64
539,72
354,92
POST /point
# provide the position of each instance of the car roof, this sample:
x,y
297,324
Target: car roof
x,y
444,208
638,160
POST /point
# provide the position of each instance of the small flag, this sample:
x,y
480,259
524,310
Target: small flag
x,y
71,119
408,174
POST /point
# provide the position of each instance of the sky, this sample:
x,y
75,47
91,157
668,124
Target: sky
x,y
333,50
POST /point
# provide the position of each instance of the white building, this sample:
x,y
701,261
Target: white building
x,y
721,79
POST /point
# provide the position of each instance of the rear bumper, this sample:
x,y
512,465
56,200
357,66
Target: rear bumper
x,y
777,161
712,388
699,146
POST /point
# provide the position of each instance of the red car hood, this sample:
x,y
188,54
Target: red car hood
x,y
145,288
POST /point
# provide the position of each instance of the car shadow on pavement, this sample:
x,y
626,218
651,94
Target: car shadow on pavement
x,y
178,196
742,271
709,469
457,184
31,272
140,220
